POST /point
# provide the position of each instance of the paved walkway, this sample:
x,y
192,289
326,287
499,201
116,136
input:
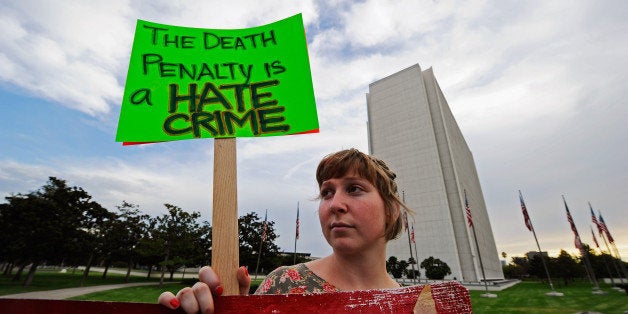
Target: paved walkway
x,y
61,294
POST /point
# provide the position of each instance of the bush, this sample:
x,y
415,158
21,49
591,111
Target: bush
x,y
435,268
413,274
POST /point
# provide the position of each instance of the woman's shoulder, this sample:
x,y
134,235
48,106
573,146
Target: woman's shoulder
x,y
294,279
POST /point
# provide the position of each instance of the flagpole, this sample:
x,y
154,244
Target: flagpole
x,y
416,255
608,269
477,246
604,258
475,237
600,230
610,239
528,220
259,254
549,279
623,267
411,256
405,215
296,237
583,253
611,255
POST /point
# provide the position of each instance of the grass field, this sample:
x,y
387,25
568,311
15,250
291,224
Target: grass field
x,y
146,294
529,297
525,297
53,279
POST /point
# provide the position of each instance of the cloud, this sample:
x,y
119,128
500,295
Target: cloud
x,y
53,58
537,89
75,53
394,23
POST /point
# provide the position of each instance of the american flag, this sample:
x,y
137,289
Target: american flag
x,y
577,243
412,234
265,225
594,238
526,218
602,224
297,235
467,209
605,229
405,220
571,223
595,221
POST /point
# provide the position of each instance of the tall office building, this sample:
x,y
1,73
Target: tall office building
x,y
412,128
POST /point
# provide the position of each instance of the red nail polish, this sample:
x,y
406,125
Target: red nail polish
x,y
246,271
219,290
174,303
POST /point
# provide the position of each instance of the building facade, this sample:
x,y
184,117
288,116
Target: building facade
x,y
412,128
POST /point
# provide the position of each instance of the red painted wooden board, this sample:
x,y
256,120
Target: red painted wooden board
x,y
448,297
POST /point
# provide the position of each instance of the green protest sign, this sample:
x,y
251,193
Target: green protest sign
x,y
186,83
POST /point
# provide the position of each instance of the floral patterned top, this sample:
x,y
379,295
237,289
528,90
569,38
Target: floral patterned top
x,y
294,279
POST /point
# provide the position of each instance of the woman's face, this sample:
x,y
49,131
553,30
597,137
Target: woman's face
x,y
352,214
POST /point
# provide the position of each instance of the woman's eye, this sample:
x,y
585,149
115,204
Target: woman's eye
x,y
326,193
354,189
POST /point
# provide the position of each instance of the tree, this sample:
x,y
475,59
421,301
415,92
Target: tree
x,y
396,267
93,240
603,265
203,245
412,274
150,248
518,268
523,264
10,248
177,232
511,271
122,235
17,230
250,229
49,224
435,268
566,267
536,268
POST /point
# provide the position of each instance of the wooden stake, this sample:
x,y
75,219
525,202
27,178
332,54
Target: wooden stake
x,y
225,247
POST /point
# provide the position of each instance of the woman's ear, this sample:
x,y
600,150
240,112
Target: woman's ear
x,y
397,213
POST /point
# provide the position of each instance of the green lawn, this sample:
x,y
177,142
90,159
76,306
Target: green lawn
x,y
146,294
51,280
529,297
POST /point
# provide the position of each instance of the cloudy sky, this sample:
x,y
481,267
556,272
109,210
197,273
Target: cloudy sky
x,y
538,89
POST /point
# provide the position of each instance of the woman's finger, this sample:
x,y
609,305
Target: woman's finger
x,y
244,280
203,297
188,300
168,300
207,275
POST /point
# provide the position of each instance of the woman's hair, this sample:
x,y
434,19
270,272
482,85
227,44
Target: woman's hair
x,y
377,173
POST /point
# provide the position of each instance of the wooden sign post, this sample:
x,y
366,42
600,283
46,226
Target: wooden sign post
x,y
225,246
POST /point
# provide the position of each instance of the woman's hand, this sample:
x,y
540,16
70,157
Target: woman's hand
x,y
200,297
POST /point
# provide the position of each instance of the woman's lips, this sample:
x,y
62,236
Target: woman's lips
x,y
340,225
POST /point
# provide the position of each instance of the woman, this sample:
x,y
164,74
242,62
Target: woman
x,y
359,212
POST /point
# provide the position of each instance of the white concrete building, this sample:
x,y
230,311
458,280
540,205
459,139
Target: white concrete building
x,y
412,128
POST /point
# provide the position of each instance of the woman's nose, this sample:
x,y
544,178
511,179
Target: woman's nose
x,y
338,203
